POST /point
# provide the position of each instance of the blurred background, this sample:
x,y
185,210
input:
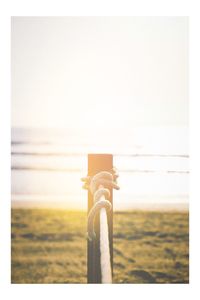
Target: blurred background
x,y
47,166
100,85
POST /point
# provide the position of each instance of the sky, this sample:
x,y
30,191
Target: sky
x,y
99,72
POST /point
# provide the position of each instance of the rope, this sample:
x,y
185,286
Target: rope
x,y
106,272
98,185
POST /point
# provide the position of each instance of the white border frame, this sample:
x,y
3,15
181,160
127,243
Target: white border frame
x,y
94,8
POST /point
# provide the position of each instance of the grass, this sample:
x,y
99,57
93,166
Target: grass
x,y
50,246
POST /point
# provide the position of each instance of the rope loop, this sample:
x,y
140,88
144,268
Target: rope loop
x,y
101,192
99,186
91,217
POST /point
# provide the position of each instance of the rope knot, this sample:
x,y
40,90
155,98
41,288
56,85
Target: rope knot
x,y
101,192
106,179
99,186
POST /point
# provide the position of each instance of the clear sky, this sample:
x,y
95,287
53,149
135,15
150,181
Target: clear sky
x,y
116,72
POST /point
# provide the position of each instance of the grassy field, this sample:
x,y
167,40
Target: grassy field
x,y
49,246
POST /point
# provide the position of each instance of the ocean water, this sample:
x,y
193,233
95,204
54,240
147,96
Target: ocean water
x,y
47,164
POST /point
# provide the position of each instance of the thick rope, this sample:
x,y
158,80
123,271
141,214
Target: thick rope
x,y
106,271
101,204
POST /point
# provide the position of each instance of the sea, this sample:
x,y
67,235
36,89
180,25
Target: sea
x,y
153,165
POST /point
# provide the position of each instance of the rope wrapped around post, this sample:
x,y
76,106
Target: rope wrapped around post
x,y
98,186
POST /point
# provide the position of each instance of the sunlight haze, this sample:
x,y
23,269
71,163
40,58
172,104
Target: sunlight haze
x,y
128,71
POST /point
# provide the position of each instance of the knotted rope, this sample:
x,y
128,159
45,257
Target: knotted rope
x,y
98,186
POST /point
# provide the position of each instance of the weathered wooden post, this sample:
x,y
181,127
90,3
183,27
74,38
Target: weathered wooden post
x,y
96,164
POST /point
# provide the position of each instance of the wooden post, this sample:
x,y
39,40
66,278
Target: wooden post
x,y
96,164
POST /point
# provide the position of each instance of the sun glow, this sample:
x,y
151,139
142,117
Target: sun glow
x,y
94,85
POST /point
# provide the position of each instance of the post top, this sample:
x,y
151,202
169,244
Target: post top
x,y
99,162
99,154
